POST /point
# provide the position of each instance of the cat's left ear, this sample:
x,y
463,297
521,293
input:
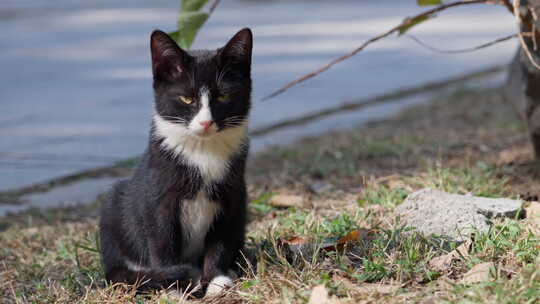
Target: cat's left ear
x,y
238,50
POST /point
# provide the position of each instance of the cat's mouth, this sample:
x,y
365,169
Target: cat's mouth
x,y
205,134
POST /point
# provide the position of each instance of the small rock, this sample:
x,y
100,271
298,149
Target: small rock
x,y
286,201
319,187
456,216
479,273
498,207
319,295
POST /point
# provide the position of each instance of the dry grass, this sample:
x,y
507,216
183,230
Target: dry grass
x,y
466,143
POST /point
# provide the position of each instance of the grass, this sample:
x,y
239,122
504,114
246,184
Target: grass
x,y
461,143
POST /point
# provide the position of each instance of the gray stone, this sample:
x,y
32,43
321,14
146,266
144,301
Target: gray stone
x,y
498,207
456,216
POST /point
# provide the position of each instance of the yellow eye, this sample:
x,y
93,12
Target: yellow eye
x,y
223,98
185,100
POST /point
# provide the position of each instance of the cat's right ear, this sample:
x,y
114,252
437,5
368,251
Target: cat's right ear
x,y
168,59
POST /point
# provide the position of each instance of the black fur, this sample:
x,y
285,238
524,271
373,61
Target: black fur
x,y
141,221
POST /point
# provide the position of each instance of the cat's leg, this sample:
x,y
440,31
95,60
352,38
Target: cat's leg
x,y
223,248
184,277
217,273
156,272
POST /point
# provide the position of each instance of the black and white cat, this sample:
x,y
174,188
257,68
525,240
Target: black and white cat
x,y
181,218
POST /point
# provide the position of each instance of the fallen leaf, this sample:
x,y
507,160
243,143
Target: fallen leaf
x,y
348,284
377,288
479,273
294,240
444,262
286,201
446,284
353,236
319,295
463,249
430,300
533,210
296,247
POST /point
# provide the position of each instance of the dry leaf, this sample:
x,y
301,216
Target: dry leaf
x,y
293,240
352,237
377,288
463,249
446,284
286,201
296,247
444,262
319,295
348,284
533,210
479,273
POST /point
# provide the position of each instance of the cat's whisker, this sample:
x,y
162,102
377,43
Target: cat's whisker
x,y
235,123
234,119
175,119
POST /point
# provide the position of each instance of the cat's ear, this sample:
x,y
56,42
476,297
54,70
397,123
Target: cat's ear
x,y
168,59
238,50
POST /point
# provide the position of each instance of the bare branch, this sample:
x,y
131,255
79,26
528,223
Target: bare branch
x,y
354,105
404,24
213,7
467,50
508,5
529,12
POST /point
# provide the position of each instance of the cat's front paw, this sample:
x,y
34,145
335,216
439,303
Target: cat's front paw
x,y
218,284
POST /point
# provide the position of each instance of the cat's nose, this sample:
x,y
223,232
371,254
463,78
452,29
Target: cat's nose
x,y
206,124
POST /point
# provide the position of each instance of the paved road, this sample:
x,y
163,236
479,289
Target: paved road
x,y
75,88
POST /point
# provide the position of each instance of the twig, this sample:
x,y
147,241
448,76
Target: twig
x,y
508,5
466,50
521,35
405,23
373,101
213,7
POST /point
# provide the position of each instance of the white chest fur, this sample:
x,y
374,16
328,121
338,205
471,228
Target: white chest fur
x,y
210,155
197,217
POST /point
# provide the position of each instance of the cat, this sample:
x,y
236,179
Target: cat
x,y
181,219
522,88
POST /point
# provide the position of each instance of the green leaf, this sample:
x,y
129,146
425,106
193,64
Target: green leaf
x,y
192,5
189,24
413,22
428,2
173,35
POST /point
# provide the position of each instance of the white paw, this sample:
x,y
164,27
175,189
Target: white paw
x,y
217,285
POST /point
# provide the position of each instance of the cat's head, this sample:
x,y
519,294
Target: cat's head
x,y
202,92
